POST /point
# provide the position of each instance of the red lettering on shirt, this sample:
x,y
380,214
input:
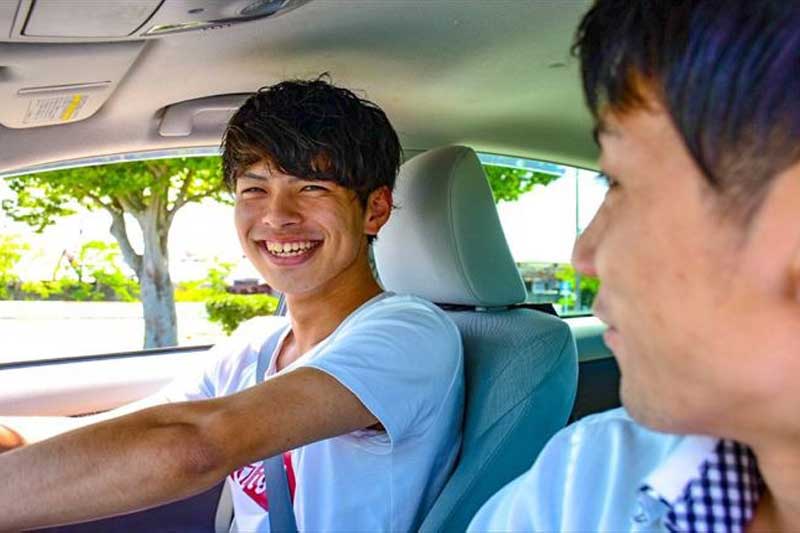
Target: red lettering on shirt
x,y
252,481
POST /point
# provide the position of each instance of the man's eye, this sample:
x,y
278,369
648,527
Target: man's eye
x,y
609,181
251,190
313,188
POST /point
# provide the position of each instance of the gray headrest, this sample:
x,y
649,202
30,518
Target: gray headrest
x,y
444,242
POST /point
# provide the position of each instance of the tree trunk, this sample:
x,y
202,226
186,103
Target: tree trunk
x,y
158,299
151,267
158,302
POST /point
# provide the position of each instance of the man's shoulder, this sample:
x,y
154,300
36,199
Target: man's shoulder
x,y
595,465
395,340
403,303
406,313
608,424
609,450
611,434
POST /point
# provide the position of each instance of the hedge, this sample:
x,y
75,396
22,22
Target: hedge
x,y
106,287
230,310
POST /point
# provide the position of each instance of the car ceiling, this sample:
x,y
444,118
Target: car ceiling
x,y
495,75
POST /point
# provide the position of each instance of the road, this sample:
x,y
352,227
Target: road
x,y
42,330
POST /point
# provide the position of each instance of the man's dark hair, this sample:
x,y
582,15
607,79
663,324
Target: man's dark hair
x,y
312,129
727,72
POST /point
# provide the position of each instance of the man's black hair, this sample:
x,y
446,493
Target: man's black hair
x,y
727,72
312,129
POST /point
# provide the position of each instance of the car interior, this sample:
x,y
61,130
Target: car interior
x,y
83,82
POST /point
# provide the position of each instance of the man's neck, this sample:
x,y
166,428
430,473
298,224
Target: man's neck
x,y
779,507
315,316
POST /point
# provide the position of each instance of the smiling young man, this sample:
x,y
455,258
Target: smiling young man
x,y
697,246
363,387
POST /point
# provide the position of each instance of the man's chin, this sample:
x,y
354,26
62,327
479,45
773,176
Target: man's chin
x,y
292,287
277,283
651,411
284,287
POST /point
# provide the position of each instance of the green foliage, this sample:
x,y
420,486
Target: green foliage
x,y
98,266
203,289
73,290
217,275
61,289
97,257
36,290
93,275
122,287
589,287
10,254
123,187
193,291
230,310
508,184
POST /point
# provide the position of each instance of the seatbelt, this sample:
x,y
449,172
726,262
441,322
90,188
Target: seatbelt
x,y
224,514
281,510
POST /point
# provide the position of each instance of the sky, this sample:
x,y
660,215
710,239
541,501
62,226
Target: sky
x,y
539,227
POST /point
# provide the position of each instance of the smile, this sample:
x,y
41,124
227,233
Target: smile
x,y
290,249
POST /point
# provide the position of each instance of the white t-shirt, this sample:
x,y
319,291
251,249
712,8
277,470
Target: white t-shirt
x,y
402,357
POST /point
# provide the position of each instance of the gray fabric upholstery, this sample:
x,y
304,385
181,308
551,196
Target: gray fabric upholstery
x,y
521,373
445,243
445,240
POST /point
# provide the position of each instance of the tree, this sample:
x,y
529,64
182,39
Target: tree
x,y
589,286
97,265
151,192
508,184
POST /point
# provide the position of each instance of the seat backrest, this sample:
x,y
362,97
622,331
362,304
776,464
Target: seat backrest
x,y
445,243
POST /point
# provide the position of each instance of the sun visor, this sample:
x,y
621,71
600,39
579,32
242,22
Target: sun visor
x,y
44,85
7,12
95,20
57,18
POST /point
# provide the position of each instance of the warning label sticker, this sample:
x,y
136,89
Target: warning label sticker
x,y
54,109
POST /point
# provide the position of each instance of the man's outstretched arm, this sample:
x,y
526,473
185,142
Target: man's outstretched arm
x,y
16,431
171,451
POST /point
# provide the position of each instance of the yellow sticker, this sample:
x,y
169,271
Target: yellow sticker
x,y
72,106
54,109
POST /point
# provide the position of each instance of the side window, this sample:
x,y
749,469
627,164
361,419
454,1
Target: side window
x,y
543,207
117,257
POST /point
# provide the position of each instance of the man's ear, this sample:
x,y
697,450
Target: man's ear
x,y
379,207
794,276
785,192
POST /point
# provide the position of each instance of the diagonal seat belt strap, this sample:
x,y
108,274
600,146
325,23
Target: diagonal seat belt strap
x,y
281,511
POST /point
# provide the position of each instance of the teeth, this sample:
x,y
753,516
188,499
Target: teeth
x,y
289,249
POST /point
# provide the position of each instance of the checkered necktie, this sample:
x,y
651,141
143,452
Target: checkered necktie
x,y
724,497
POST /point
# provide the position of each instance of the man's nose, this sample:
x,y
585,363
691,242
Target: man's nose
x,y
280,210
583,253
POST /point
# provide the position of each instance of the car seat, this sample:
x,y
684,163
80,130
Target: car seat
x,y
444,242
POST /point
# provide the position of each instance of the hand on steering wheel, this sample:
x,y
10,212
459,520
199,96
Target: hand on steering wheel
x,y
9,439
